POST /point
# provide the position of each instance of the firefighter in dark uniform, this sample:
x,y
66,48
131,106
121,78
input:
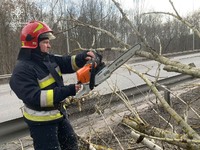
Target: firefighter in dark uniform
x,y
37,81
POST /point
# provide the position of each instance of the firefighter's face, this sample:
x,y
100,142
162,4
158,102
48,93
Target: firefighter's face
x,y
45,46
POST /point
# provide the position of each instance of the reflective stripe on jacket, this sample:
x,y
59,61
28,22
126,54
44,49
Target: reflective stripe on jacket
x,y
40,116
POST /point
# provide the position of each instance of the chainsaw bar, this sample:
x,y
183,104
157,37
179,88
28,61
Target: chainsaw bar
x,y
108,70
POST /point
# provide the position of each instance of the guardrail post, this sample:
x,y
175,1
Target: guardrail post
x,y
167,94
166,90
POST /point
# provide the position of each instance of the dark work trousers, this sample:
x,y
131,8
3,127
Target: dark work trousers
x,y
54,136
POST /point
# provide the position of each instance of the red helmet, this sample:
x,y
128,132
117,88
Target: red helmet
x,y
31,32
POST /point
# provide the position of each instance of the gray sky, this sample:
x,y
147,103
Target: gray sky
x,y
182,6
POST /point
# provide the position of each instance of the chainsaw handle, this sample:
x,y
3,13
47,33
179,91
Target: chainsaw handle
x,y
85,89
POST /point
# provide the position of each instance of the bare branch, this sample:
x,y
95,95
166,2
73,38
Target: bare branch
x,y
109,127
188,130
130,24
178,17
173,66
160,134
101,30
145,141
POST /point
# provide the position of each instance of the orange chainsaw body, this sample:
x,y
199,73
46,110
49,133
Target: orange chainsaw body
x,y
83,74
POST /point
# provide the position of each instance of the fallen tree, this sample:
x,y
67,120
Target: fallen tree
x,y
190,139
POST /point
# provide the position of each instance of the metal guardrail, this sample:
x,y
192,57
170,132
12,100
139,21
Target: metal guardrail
x,y
5,76
14,129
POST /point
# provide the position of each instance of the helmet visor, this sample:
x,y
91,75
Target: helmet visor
x,y
47,35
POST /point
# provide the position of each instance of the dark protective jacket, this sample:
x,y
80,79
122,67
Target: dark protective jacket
x,y
33,83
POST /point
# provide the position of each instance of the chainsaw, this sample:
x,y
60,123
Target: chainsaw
x,y
95,72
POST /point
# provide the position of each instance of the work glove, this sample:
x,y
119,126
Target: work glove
x,y
83,57
60,93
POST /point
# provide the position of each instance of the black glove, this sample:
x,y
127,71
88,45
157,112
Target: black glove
x,y
60,93
81,59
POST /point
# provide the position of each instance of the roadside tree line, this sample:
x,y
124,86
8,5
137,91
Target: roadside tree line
x,y
68,21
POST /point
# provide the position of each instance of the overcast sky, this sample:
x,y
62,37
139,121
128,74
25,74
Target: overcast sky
x,y
182,6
